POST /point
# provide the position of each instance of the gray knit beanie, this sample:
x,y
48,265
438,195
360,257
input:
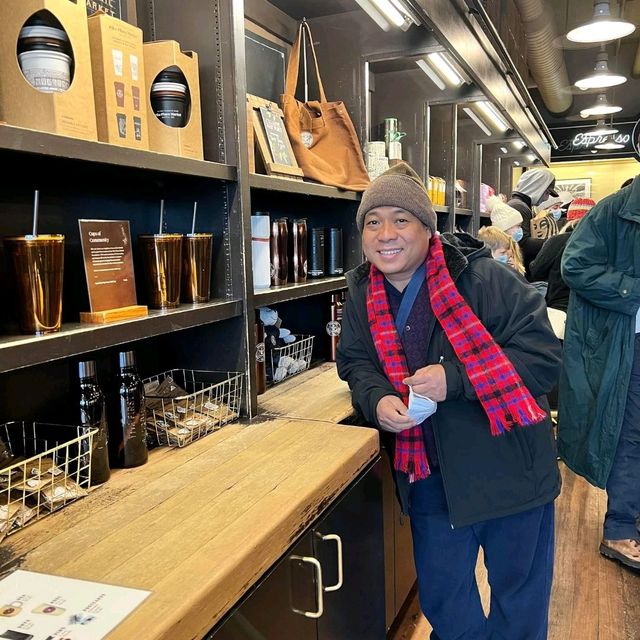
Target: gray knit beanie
x,y
400,187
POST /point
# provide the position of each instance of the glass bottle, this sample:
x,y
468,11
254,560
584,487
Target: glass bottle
x,y
334,326
131,446
93,414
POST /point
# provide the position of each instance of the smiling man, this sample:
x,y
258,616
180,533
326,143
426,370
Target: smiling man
x,y
435,323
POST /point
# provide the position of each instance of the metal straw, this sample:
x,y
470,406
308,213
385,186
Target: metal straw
x,y
193,221
161,216
36,202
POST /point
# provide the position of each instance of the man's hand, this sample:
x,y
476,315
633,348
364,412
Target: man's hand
x,y
429,381
392,415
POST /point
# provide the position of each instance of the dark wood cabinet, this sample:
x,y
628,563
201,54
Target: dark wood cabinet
x,y
330,584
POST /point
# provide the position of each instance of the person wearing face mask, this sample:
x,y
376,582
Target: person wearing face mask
x,y
505,218
434,317
503,247
533,188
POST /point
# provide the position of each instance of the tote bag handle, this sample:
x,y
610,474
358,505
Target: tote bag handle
x,y
294,63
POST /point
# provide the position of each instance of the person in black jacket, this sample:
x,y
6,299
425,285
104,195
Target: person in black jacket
x,y
433,322
533,188
547,265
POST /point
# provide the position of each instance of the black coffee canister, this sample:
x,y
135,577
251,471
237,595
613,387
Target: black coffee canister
x,y
335,264
170,98
316,253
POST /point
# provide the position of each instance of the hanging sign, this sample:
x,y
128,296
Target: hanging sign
x,y
577,143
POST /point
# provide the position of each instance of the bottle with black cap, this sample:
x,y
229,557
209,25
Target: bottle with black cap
x,y
93,414
130,448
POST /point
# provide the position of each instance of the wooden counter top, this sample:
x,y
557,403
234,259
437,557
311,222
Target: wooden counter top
x,y
198,526
316,394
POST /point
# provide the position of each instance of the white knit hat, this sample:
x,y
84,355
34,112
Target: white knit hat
x,y
502,215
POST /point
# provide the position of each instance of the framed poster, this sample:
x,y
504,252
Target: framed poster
x,y
121,9
577,187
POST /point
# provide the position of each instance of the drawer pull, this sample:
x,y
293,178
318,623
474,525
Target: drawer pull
x,y
338,541
319,588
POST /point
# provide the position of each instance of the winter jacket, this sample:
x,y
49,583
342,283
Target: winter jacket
x,y
484,476
601,265
529,246
547,267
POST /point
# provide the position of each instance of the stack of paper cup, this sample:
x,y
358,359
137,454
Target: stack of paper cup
x,y
376,160
260,236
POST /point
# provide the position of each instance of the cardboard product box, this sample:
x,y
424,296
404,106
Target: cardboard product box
x,y
70,112
118,81
184,140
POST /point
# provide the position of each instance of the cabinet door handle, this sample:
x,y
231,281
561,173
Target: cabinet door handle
x,y
319,588
338,540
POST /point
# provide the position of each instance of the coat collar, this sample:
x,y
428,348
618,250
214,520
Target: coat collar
x,y
630,209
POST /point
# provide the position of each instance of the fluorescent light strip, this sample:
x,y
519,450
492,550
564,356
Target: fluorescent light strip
x,y
374,14
476,118
516,163
491,112
442,65
434,77
518,144
531,157
389,11
504,149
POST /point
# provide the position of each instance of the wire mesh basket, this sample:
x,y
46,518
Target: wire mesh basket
x,y
43,467
184,405
291,359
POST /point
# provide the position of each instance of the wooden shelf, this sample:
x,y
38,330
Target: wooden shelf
x,y
463,212
274,295
74,339
270,183
49,144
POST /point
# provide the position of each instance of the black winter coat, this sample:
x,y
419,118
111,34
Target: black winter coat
x,y
484,476
546,267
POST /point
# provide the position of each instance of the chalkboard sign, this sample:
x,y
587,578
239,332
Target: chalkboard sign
x,y
268,133
266,64
276,137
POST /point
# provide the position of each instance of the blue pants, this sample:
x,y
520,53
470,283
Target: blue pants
x,y
623,485
518,554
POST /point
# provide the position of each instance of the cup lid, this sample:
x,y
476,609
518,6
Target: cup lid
x,y
55,237
159,236
38,51
43,32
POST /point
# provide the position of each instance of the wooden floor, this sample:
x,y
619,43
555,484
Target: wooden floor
x,y
592,598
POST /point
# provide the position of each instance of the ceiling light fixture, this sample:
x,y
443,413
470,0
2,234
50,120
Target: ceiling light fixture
x,y
476,118
602,27
492,113
504,149
600,108
611,144
518,144
601,130
387,13
435,78
602,77
516,163
531,157
445,68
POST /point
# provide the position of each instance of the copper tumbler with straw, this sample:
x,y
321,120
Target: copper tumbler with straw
x,y
162,264
196,264
36,264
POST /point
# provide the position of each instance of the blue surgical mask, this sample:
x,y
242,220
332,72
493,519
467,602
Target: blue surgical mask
x,y
517,234
557,214
503,259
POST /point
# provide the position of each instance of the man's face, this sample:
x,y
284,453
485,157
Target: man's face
x,y
395,241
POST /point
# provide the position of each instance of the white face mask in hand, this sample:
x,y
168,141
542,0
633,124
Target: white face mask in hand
x,y
420,407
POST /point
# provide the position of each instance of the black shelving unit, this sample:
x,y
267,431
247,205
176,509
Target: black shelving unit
x,y
289,292
271,183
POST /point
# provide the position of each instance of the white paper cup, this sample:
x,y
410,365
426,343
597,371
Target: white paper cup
x,y
47,71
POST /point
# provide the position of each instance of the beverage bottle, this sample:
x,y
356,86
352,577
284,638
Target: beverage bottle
x,y
334,326
130,448
93,414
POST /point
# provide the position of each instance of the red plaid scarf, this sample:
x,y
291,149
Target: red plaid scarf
x,y
505,399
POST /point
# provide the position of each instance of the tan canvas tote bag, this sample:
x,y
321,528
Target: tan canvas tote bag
x,y
322,135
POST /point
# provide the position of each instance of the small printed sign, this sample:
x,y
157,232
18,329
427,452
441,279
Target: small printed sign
x,y
277,137
108,263
115,8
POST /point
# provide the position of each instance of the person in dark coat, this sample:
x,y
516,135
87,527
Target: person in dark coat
x,y
547,264
533,188
433,323
599,393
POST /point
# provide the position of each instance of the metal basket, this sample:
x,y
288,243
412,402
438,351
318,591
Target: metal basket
x,y
51,469
183,405
291,359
